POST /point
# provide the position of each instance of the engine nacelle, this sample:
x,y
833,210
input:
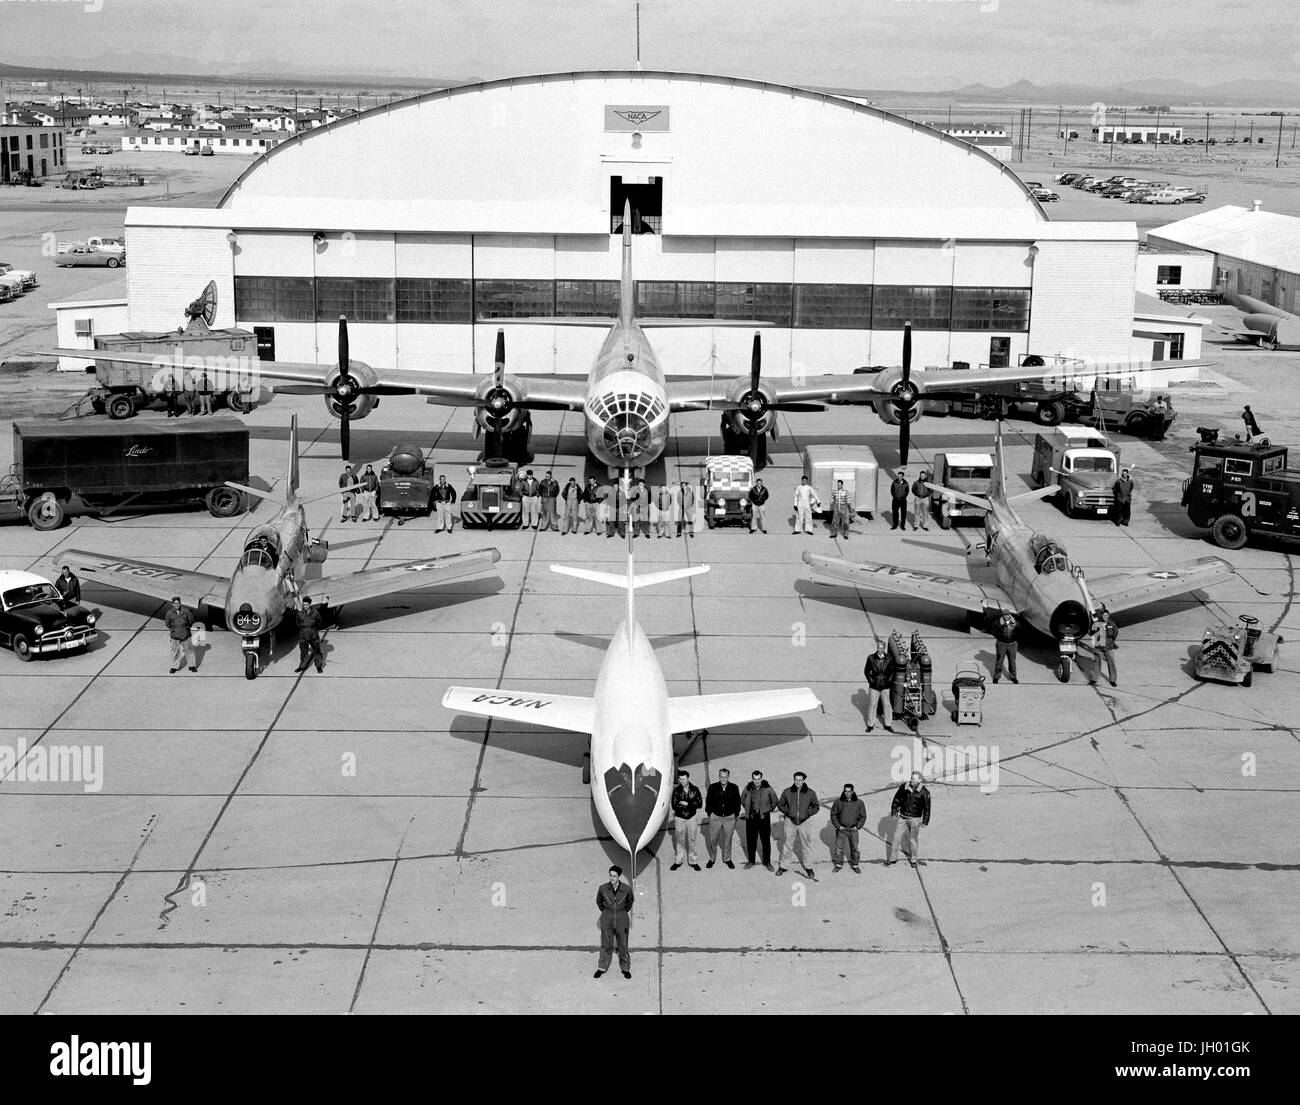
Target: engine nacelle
x,y
360,405
740,424
498,408
889,413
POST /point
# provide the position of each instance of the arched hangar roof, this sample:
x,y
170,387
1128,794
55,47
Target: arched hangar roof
x,y
535,154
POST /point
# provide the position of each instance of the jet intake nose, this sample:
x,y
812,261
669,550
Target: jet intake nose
x,y
633,793
1070,619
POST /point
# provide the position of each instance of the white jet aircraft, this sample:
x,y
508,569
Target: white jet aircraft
x,y
631,718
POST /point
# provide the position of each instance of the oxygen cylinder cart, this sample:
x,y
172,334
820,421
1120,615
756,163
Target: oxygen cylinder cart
x,y
912,696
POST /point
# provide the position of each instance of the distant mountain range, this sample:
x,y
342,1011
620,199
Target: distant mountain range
x,y
128,69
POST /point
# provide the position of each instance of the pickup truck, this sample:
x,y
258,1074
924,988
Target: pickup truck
x,y
1083,464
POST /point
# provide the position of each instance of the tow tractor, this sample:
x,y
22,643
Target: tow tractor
x,y
1231,653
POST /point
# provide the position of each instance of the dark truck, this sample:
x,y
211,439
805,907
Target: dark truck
x,y
1238,490
406,482
109,467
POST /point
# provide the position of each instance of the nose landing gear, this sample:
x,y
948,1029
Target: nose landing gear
x,y
1064,666
252,657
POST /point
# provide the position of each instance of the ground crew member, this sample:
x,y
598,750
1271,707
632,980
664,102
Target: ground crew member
x,y
800,804
172,394
911,812
180,624
921,495
756,806
68,586
309,623
590,500
348,505
758,496
532,501
1252,427
664,503
848,815
841,512
898,490
686,803
722,804
369,490
879,671
638,508
550,491
1105,634
205,393
570,500
1005,630
191,395
806,503
686,510
620,510
444,496
1122,489
614,900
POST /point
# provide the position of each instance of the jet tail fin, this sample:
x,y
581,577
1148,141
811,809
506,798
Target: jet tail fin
x,y
291,477
627,287
631,581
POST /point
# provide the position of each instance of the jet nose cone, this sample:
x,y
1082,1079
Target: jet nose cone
x,y
633,794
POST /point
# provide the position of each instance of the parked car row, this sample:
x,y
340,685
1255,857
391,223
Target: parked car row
x,y
102,147
1132,189
14,282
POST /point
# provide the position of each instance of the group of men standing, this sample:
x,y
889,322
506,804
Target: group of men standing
x,y
193,390
607,508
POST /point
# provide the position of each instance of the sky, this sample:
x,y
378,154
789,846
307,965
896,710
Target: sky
x,y
905,44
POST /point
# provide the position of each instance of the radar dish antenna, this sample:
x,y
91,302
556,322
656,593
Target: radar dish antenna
x,y
205,307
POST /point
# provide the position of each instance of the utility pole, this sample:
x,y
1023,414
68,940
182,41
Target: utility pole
x,y
1207,136
1277,161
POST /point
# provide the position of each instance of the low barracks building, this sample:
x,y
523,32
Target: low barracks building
x,y
834,221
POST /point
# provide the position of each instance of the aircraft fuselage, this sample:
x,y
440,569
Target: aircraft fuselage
x,y
626,412
262,587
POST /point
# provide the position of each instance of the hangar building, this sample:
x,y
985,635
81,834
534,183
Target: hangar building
x,y
832,220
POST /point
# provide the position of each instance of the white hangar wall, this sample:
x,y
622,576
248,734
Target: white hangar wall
x,y
761,185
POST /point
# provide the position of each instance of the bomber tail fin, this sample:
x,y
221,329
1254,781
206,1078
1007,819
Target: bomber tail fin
x,y
627,286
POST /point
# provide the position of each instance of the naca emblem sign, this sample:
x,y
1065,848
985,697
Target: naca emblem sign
x,y
636,117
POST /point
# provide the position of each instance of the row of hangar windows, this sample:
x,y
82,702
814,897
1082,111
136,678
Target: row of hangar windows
x,y
809,306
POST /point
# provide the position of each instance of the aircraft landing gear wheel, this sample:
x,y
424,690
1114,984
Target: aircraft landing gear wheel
x,y
586,769
250,665
1063,668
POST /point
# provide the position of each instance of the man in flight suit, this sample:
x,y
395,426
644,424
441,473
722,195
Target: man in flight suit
x,y
614,900
309,624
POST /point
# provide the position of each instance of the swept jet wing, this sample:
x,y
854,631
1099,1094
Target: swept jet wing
x,y
1127,590
959,594
337,590
158,581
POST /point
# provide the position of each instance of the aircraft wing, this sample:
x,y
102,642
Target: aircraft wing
x,y
355,586
555,711
155,580
720,393
1127,590
960,594
456,389
703,711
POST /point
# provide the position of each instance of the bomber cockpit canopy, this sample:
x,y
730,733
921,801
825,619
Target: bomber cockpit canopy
x,y
1049,554
262,549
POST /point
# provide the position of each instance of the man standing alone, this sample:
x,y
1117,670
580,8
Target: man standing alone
x,y
911,812
614,900
309,625
758,496
1005,630
722,804
1123,492
879,672
180,624
444,496
68,586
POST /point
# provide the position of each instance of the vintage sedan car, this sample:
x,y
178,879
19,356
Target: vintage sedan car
x,y
1044,195
27,276
88,256
35,620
